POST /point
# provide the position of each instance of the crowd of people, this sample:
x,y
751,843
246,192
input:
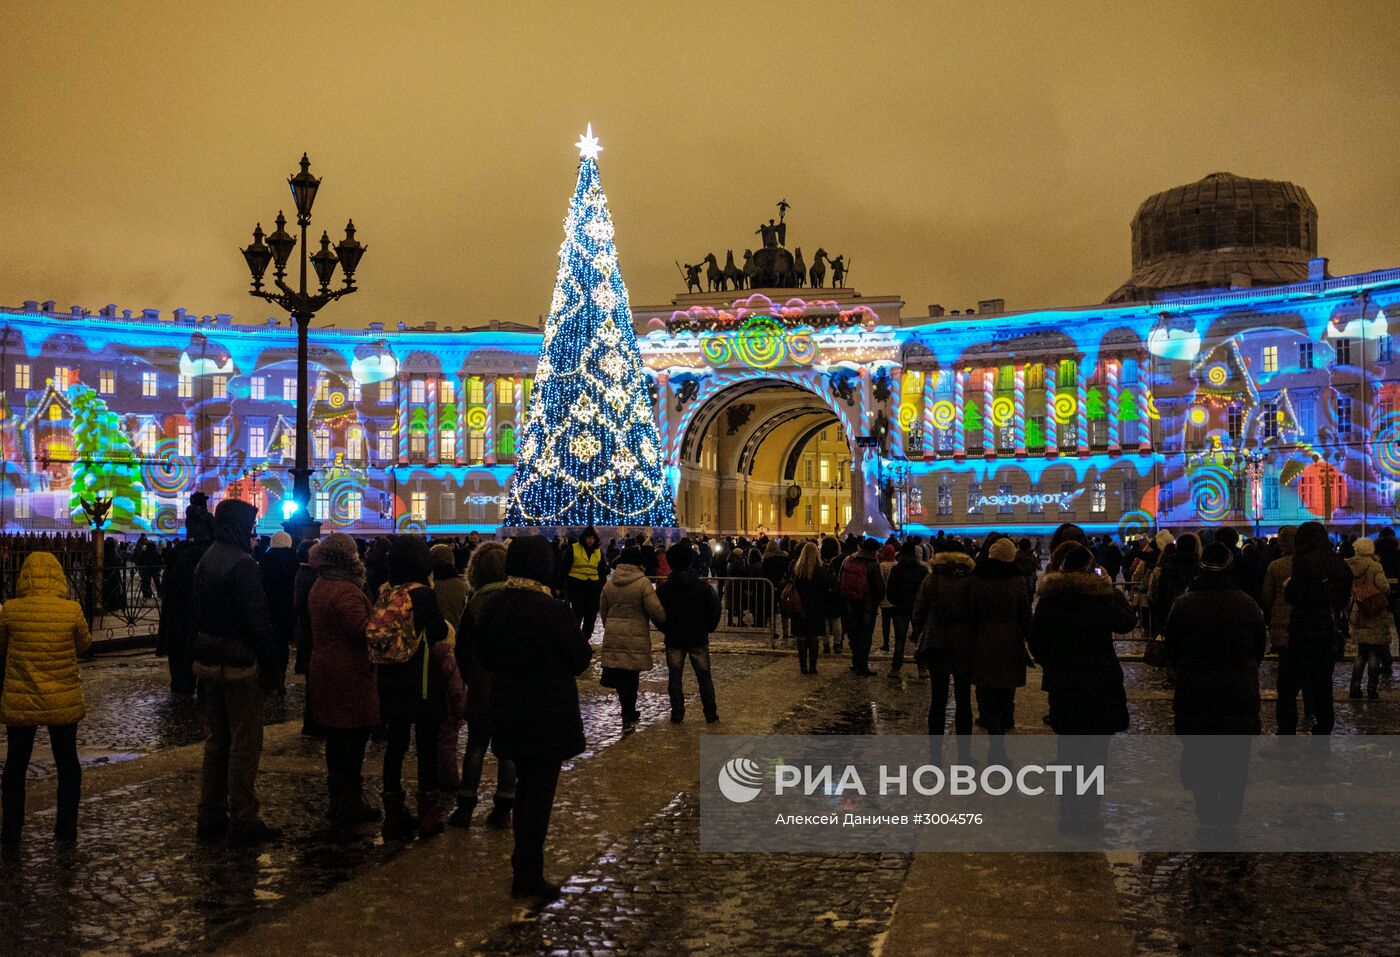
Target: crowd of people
x,y
406,641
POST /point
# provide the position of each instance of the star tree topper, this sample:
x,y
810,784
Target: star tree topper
x,y
587,144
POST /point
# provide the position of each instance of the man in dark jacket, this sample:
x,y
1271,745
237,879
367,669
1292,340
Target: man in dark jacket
x,y
1317,592
279,571
862,594
177,628
235,660
530,643
692,612
902,588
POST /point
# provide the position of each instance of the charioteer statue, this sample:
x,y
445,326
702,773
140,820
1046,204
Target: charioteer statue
x,y
771,266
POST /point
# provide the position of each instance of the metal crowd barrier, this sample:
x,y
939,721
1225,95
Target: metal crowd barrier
x,y
748,608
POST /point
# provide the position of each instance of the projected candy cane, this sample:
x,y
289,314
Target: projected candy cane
x,y
896,375
403,419
1081,399
930,393
989,441
432,387
959,422
1114,445
1052,446
461,426
1019,396
490,392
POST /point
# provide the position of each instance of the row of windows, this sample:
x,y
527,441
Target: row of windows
x,y
147,440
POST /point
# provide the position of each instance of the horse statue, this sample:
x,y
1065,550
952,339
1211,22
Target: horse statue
x,y
838,272
732,273
714,274
750,268
817,272
799,269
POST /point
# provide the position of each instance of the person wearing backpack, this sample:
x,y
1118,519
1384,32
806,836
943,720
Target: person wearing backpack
x,y
1370,617
629,607
804,597
405,622
862,588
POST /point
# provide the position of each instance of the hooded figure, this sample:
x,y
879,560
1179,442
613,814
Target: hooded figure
x,y
177,628
1002,616
534,649
42,634
449,587
629,607
944,626
1369,617
279,571
1318,591
1271,598
235,660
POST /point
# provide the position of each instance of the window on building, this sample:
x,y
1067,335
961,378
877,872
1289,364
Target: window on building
x,y
1098,433
447,391
22,503
149,383
355,444
321,444
1271,358
1384,343
807,514
823,468
1066,496
386,445
321,503
1270,421
945,500
447,507
353,392
289,443
476,390
1235,422
418,506
185,386
1129,494
146,441
289,389
1098,498
1035,376
476,446
974,499
1130,372
505,393
417,444
257,442
1343,347
1004,507
354,505
1307,417
1344,414
826,514
807,468
257,388
505,443
184,440
1006,437
62,377
107,381
1305,355
417,391
1270,491
1068,372
1035,507
220,441
1166,498
386,391
323,388
22,375
221,387
447,445
1006,378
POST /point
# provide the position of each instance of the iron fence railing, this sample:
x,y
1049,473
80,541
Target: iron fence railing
x,y
117,601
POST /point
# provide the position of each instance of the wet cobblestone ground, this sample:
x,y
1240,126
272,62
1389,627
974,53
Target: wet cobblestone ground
x,y
138,883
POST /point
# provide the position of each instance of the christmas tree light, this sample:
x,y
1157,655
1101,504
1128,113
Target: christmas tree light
x,y
589,453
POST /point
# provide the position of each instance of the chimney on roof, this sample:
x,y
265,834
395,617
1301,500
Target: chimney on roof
x,y
271,322
1317,269
47,306
108,311
990,307
430,326
180,314
376,327
935,311
77,311
224,318
150,314
126,313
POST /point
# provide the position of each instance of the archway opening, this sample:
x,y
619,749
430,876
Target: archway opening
x,y
766,456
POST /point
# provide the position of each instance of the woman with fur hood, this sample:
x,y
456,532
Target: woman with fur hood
x,y
1071,638
943,626
1002,614
629,607
1370,630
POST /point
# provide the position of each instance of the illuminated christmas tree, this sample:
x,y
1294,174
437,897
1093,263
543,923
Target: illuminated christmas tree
x,y
589,453
104,465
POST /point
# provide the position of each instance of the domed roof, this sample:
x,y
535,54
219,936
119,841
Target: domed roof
x,y
1221,228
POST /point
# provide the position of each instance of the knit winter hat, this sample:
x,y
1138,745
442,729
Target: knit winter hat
x,y
680,556
530,556
441,554
1217,557
1363,546
1002,550
281,540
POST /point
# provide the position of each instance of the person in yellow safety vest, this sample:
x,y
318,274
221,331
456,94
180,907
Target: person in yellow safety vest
x,y
584,574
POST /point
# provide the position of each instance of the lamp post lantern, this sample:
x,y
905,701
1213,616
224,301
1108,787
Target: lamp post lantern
x,y
275,249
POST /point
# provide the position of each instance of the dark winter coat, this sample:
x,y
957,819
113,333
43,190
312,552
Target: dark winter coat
x,y
1318,591
301,615
468,650
874,581
450,590
231,620
279,572
347,694
176,633
902,587
1072,640
1169,581
1002,614
401,696
835,604
1216,638
943,612
814,593
692,610
530,644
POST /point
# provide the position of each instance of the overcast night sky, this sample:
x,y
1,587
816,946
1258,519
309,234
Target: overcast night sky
x,y
952,151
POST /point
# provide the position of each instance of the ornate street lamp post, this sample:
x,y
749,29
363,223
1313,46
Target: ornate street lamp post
x,y
303,306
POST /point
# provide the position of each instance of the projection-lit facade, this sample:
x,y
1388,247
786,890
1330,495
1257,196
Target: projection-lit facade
x,y
1267,406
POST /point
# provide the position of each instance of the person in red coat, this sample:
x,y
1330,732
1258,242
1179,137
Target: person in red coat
x,y
346,703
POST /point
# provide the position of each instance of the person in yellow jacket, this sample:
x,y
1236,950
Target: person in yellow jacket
x,y
585,569
42,634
